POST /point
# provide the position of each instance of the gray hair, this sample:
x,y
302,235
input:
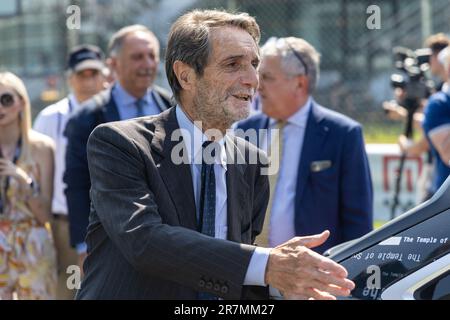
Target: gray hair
x,y
297,57
116,41
189,39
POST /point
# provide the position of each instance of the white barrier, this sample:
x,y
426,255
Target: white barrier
x,y
384,162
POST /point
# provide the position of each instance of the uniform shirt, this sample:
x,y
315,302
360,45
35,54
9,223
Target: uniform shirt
x,y
52,121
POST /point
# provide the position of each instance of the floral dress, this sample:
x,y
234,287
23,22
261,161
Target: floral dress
x,y
27,253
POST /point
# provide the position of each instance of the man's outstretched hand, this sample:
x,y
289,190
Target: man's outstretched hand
x,y
300,273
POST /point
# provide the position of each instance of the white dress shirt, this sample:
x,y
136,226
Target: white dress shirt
x,y
194,138
52,121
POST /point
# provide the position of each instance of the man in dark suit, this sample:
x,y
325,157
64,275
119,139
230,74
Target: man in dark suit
x,y
134,56
324,180
177,201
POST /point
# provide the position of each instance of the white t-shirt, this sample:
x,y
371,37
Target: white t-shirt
x,y
52,121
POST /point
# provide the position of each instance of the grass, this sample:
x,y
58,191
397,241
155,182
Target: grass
x,y
382,132
378,223
385,132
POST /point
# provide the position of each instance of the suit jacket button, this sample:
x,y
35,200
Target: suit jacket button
x,y
224,289
209,285
217,287
201,283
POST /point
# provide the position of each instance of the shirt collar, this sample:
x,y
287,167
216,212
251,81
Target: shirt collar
x,y
125,98
73,102
191,133
300,117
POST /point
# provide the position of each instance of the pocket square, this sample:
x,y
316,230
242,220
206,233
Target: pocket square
x,y
317,166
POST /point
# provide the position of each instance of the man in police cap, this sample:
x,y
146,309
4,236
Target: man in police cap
x,y
86,77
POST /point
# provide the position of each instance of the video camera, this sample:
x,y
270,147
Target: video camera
x,y
412,79
415,85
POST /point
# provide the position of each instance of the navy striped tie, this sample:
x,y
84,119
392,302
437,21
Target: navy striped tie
x,y
207,219
208,191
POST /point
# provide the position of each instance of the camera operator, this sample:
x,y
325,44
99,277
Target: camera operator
x,y
435,43
437,127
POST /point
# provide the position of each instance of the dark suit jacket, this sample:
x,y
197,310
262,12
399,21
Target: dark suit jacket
x,y
339,198
142,242
99,109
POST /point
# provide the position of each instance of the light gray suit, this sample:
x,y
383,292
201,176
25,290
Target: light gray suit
x,y
142,238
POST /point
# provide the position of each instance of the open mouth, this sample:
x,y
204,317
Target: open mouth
x,y
243,97
2,116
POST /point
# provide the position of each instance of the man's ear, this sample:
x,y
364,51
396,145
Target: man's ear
x,y
302,83
185,75
111,62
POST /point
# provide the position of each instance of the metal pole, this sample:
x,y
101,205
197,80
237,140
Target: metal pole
x,y
412,106
344,39
21,26
425,9
232,5
72,36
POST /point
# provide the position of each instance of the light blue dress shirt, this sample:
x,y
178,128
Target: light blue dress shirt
x,y
282,215
126,103
194,138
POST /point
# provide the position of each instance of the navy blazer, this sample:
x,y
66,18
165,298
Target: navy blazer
x,y
99,109
339,198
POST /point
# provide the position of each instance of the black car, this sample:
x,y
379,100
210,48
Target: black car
x,y
407,258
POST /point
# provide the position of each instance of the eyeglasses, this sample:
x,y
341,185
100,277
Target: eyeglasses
x,y
7,100
279,44
298,56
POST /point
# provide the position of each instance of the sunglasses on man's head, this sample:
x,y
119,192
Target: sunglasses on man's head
x,y
281,41
6,100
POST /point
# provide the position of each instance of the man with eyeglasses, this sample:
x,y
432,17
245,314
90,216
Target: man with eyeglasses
x,y
323,181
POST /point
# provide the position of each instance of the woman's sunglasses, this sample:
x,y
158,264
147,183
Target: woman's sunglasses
x,y
7,100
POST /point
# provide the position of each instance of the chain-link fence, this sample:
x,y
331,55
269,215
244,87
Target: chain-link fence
x,y
356,62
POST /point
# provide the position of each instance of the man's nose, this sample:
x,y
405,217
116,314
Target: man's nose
x,y
150,62
250,78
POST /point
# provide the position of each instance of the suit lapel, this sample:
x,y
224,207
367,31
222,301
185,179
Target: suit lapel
x,y
176,177
159,102
111,113
237,189
315,134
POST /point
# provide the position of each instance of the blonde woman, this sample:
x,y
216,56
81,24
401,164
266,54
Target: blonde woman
x,y
27,254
